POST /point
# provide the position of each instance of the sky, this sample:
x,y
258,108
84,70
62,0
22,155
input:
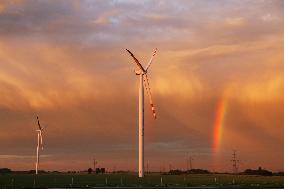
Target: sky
x,y
219,68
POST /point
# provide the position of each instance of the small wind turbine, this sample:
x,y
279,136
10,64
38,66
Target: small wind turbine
x,y
39,143
144,82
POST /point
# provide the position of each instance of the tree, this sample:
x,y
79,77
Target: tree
x,y
90,170
258,171
5,170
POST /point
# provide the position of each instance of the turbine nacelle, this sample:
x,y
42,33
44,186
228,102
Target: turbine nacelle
x,y
139,72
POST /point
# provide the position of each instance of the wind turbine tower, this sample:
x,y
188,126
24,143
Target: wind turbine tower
x,y
144,83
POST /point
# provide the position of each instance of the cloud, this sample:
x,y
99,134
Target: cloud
x,y
66,62
268,89
6,4
268,18
236,22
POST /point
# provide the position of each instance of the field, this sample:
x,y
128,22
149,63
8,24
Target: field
x,y
131,180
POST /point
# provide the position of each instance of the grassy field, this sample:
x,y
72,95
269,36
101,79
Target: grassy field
x,y
92,180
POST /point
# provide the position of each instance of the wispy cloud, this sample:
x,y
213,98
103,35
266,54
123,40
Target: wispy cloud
x,y
65,61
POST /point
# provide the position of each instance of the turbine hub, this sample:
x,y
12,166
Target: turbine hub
x,y
138,72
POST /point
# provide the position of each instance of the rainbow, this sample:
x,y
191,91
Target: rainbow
x,y
219,121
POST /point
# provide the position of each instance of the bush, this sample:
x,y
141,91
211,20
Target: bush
x,y
258,171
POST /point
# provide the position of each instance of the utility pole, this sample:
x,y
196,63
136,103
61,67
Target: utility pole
x,y
95,164
163,168
147,167
114,169
235,162
190,162
187,162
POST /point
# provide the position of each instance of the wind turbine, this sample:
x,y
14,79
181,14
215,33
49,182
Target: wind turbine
x,y
39,143
144,82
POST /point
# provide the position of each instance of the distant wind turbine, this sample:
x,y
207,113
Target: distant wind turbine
x,y
39,143
144,82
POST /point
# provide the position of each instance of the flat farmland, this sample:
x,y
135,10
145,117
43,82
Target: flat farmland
x,y
131,180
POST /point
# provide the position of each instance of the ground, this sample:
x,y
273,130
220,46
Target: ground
x,y
131,180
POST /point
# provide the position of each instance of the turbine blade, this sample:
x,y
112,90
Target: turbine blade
x,y
151,59
148,89
38,123
135,60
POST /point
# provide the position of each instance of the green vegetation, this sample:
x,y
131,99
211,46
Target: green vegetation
x,y
92,180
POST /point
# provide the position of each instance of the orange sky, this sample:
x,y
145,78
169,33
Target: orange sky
x,y
66,62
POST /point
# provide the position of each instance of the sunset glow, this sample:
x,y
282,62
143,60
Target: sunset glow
x,y
217,82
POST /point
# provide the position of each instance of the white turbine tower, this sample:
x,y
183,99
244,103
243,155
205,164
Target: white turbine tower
x,y
39,143
144,82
